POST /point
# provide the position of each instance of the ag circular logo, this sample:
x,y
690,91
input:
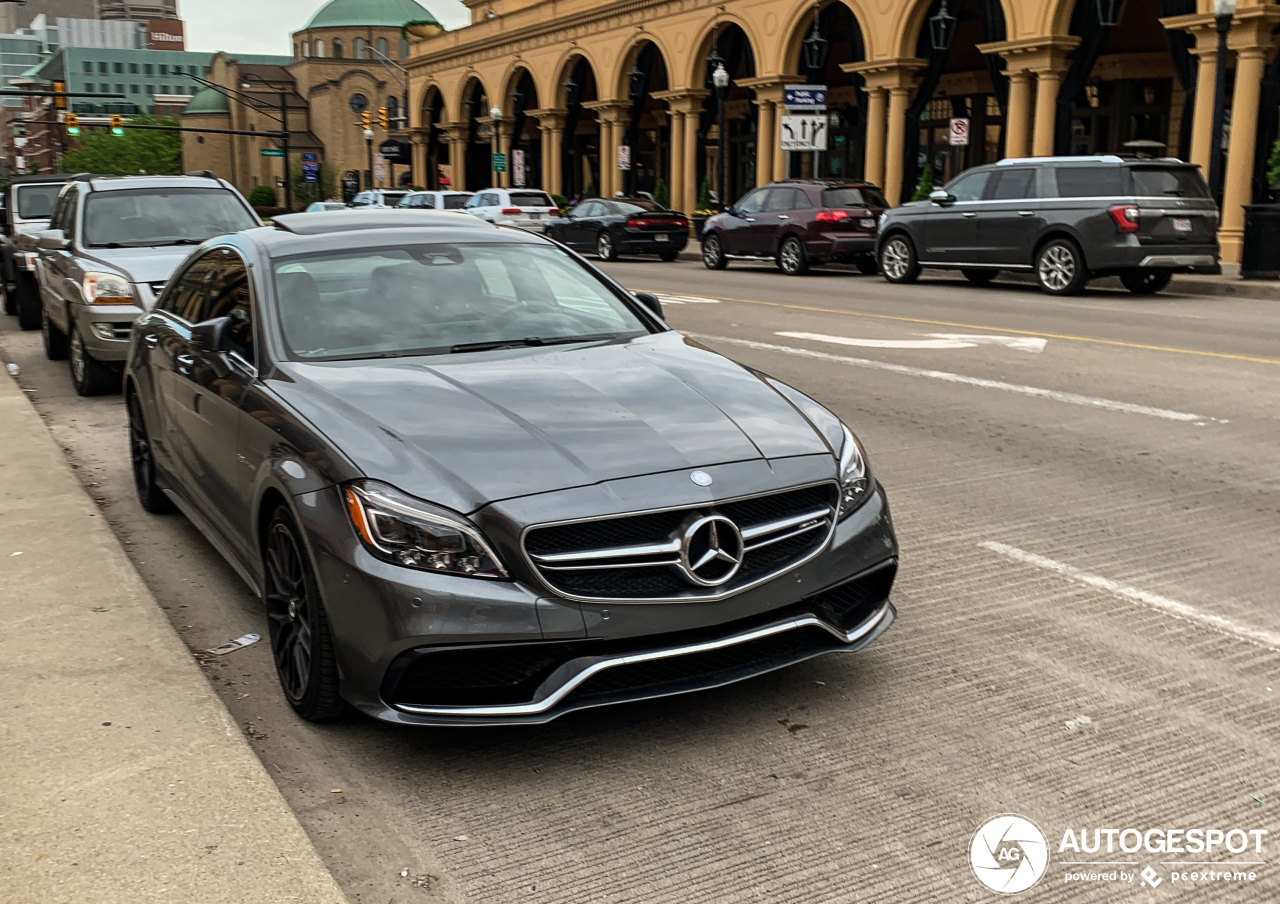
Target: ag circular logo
x,y
1009,854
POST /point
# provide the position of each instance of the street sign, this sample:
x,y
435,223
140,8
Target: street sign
x,y
959,136
804,97
624,157
310,170
395,151
310,158
804,132
517,168
499,163
271,152
379,168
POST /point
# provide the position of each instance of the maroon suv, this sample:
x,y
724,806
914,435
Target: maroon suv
x,y
797,223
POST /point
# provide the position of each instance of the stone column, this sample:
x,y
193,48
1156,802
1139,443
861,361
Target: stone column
x,y
506,132
458,135
1253,43
551,127
676,187
766,142
873,166
899,100
1203,28
691,186
1017,121
685,106
421,172
886,144
1048,84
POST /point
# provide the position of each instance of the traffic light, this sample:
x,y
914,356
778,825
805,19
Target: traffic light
x,y
117,124
73,124
60,98
382,118
365,121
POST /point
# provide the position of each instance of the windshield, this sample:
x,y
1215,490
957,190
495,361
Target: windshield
x,y
162,216
431,299
35,202
531,199
853,197
630,206
1183,182
456,202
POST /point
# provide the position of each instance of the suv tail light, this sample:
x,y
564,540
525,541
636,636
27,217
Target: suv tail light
x,y
831,216
511,211
1127,218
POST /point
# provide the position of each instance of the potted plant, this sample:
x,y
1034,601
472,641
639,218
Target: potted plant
x,y
421,28
705,210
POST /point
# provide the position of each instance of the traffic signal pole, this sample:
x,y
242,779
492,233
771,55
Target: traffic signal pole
x,y
284,143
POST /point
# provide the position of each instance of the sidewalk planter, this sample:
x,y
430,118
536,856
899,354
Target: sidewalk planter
x,y
1260,256
698,224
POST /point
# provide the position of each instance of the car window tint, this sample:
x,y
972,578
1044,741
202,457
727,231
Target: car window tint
x,y
68,219
591,209
425,299
187,291
970,186
455,202
776,200
636,206
491,200
1089,181
530,199
754,202
229,296
1015,184
853,197
35,202
1153,182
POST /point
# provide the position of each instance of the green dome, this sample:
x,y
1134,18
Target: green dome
x,y
376,13
206,101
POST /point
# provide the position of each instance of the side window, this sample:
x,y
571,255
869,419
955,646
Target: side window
x,y
186,294
1015,184
800,200
491,200
754,202
970,187
474,201
1089,181
229,296
70,201
777,199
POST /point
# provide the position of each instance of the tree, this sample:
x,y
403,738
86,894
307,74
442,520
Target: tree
x,y
925,185
262,196
662,194
305,193
137,151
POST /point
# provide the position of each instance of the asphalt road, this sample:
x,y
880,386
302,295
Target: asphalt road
x,y
1087,498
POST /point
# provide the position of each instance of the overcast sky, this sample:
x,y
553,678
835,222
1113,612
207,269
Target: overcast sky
x,y
264,26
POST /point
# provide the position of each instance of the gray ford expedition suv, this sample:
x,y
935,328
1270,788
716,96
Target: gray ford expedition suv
x,y
114,242
1066,219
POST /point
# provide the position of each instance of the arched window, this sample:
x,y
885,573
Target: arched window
x,y
337,48
359,49
404,48
305,52
382,48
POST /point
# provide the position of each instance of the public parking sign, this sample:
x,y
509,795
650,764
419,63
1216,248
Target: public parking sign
x,y
959,135
499,163
804,133
804,97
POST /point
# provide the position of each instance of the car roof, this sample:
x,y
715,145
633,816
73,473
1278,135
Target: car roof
x,y
293,234
42,178
828,183
120,183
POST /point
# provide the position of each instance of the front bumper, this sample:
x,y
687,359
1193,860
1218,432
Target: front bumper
x,y
423,649
637,242
106,329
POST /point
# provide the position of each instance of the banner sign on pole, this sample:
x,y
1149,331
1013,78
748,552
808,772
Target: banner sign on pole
x,y
624,156
804,132
804,97
499,163
517,168
959,132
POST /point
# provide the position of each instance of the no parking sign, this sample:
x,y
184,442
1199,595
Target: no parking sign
x,y
959,132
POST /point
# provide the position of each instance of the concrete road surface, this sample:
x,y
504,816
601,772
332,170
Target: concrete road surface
x,y
1087,493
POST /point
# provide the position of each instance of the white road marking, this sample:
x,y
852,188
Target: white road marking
x,y
1069,398
686,299
1150,600
1031,344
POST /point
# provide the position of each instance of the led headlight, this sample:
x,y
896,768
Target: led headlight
x,y
107,288
406,531
855,475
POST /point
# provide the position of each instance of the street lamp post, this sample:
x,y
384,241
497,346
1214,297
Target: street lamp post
x,y
1223,11
368,143
720,79
495,122
284,134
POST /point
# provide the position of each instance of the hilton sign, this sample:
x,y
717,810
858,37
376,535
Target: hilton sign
x,y
166,34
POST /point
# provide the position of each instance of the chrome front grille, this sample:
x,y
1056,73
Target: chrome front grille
x,y
693,552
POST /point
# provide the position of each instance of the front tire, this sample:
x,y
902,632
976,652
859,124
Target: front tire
x,y
980,277
1146,282
89,376
142,459
1060,268
792,259
605,249
713,253
898,261
55,341
29,303
301,641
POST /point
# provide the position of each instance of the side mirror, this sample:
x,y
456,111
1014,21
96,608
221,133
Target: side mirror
x,y
212,335
941,196
52,240
650,301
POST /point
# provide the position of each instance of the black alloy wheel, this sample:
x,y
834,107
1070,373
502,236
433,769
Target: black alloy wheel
x,y
89,376
713,253
792,259
28,302
668,256
898,261
301,643
980,277
55,341
605,249
150,496
1146,282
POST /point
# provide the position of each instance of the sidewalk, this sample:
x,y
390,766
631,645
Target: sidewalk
x,y
125,779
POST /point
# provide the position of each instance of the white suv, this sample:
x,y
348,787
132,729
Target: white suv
x,y
528,208
378,198
435,200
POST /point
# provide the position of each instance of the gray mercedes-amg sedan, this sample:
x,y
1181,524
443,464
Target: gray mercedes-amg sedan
x,y
476,481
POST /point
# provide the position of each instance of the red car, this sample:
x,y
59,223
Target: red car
x,y
797,223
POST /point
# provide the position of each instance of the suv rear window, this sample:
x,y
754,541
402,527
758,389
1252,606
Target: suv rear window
x,y
853,197
456,202
1089,182
1159,182
531,199
35,202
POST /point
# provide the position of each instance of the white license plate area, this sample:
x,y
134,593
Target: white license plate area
x,y
534,216
1181,224
661,237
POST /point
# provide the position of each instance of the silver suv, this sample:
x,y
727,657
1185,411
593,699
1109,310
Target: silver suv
x,y
112,244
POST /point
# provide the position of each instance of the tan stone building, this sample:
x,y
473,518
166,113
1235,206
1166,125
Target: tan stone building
x,y
574,80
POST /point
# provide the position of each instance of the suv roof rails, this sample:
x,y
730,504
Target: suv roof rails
x,y
202,174
1096,158
83,177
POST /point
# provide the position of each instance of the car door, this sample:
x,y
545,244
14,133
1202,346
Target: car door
x,y
950,230
1011,219
56,266
785,212
585,220
737,235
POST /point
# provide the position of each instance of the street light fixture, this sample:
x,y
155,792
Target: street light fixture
x,y
1223,12
942,28
720,79
1110,12
635,81
368,143
816,47
570,92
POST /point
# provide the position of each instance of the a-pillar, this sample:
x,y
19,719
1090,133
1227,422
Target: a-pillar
x,y
1253,42
686,109
551,128
887,130
1201,26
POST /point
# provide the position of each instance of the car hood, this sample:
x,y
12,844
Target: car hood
x,y
467,430
141,265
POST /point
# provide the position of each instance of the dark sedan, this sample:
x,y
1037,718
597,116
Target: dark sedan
x,y
476,481
622,226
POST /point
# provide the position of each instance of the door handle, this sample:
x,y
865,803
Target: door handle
x,y
749,219
1026,213
783,216
968,216
151,340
